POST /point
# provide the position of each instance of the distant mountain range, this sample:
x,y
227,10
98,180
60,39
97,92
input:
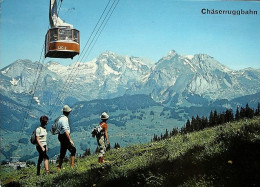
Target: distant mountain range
x,y
137,93
175,80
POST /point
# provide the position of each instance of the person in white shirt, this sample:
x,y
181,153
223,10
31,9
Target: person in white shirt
x,y
66,142
41,145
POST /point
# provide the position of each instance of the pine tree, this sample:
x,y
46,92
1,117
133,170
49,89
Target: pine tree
x,y
221,118
174,131
166,135
193,124
242,112
188,126
257,111
229,116
198,124
249,113
211,119
215,118
154,137
237,116
204,122
117,145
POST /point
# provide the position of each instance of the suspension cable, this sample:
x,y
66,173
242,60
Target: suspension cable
x,y
76,65
35,84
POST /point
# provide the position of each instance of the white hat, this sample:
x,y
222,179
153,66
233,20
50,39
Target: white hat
x,y
104,115
66,108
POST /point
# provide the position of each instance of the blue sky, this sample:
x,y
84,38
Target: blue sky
x,y
143,28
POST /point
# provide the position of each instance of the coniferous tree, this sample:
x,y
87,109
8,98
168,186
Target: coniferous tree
x,y
154,137
237,115
174,131
183,130
257,111
204,122
166,135
198,124
117,145
229,116
193,124
249,113
188,126
211,119
215,118
221,118
242,112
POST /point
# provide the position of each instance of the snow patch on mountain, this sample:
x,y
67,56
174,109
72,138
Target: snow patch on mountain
x,y
14,82
174,80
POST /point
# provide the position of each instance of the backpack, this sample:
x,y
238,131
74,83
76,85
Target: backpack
x,y
97,131
55,128
33,136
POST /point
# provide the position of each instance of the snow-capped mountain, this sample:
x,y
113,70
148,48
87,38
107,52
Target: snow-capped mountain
x,y
175,79
182,80
107,76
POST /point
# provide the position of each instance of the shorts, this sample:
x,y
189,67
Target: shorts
x,y
42,154
66,145
102,146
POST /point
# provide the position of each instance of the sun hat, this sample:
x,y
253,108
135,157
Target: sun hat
x,y
66,108
104,115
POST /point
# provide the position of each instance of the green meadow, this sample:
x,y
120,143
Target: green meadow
x,y
225,155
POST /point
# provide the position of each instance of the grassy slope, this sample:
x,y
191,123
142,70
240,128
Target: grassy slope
x,y
226,155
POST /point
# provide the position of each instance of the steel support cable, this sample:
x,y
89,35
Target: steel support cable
x,y
79,56
35,84
93,40
37,76
98,29
101,31
102,25
77,65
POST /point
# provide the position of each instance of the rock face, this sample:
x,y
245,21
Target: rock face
x,y
175,80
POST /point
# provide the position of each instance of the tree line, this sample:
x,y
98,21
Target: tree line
x,y
198,123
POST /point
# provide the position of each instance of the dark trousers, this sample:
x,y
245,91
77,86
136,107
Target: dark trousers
x,y
42,154
65,145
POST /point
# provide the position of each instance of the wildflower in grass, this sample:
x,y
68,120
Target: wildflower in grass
x,y
230,162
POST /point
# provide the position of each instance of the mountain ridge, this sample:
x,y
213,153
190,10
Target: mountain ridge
x,y
115,75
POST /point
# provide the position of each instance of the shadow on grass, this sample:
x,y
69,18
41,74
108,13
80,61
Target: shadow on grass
x,y
239,165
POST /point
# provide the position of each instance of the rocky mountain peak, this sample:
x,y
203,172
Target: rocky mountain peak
x,y
111,75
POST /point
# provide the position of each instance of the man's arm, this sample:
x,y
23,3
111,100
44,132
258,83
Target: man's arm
x,y
69,138
106,135
39,143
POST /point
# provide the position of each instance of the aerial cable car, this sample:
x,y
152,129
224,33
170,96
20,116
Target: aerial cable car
x,y
61,40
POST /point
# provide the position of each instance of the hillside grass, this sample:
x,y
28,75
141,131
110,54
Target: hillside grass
x,y
226,155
